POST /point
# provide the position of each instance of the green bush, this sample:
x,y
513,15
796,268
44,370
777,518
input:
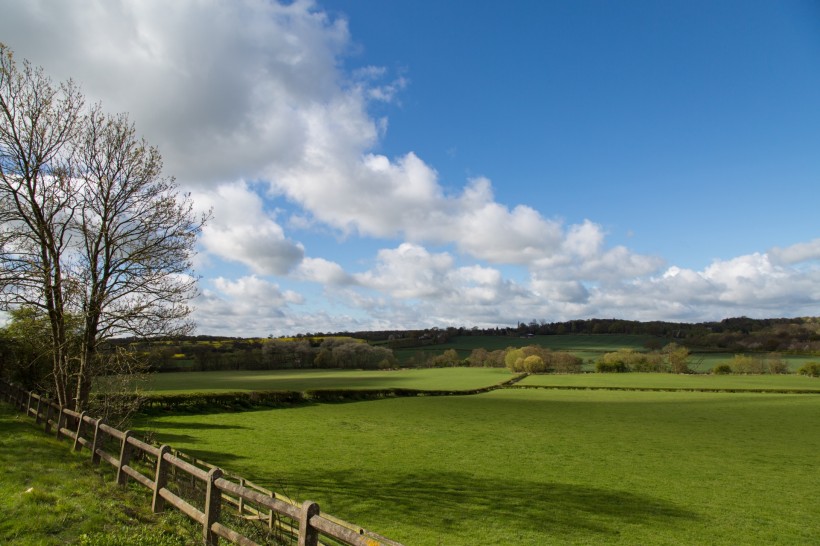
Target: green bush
x,y
777,364
744,364
611,367
534,364
812,369
722,369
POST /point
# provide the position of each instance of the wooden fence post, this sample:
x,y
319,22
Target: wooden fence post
x,y
60,422
37,413
241,507
213,501
28,403
271,514
49,411
160,479
125,458
308,535
77,445
95,443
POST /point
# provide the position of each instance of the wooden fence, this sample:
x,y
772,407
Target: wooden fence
x,y
154,467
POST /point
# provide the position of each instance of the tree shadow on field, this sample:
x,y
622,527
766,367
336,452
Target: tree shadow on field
x,y
196,425
452,502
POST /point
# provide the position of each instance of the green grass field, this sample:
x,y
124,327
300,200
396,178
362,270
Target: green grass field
x,y
535,466
51,496
675,381
301,380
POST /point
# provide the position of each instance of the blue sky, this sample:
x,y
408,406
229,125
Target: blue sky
x,y
389,164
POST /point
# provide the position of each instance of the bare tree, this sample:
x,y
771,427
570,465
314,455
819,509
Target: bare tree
x,y
39,123
91,228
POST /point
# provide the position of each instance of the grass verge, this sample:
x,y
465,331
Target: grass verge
x,y
50,495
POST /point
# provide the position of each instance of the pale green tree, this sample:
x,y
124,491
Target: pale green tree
x,y
678,358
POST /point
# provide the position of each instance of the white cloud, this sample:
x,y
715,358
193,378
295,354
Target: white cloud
x,y
222,88
750,285
249,305
270,103
242,231
436,291
488,230
256,91
797,253
409,272
582,265
324,272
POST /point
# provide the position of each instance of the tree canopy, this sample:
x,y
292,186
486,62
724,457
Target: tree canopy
x,y
92,232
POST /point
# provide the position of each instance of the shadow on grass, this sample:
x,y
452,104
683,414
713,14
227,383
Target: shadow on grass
x,y
197,426
452,502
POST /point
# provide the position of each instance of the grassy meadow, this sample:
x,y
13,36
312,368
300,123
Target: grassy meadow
x,y
50,495
536,466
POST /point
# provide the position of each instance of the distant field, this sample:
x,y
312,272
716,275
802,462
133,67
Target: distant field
x,y
674,381
301,380
599,343
583,346
452,378
535,467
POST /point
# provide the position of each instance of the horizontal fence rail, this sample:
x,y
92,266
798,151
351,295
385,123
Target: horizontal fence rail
x,y
154,467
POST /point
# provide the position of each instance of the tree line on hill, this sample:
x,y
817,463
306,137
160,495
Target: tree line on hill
x,y
787,335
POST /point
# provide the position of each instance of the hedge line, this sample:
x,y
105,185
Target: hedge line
x,y
669,389
246,400
250,399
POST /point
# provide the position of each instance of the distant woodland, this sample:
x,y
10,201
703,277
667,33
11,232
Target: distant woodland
x,y
793,335
24,361
375,349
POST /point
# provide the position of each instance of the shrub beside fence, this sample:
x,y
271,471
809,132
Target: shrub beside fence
x,y
156,467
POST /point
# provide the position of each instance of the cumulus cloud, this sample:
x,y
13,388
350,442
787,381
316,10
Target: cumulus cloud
x,y
438,284
324,272
750,285
242,231
222,88
582,265
250,305
271,103
252,107
797,253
